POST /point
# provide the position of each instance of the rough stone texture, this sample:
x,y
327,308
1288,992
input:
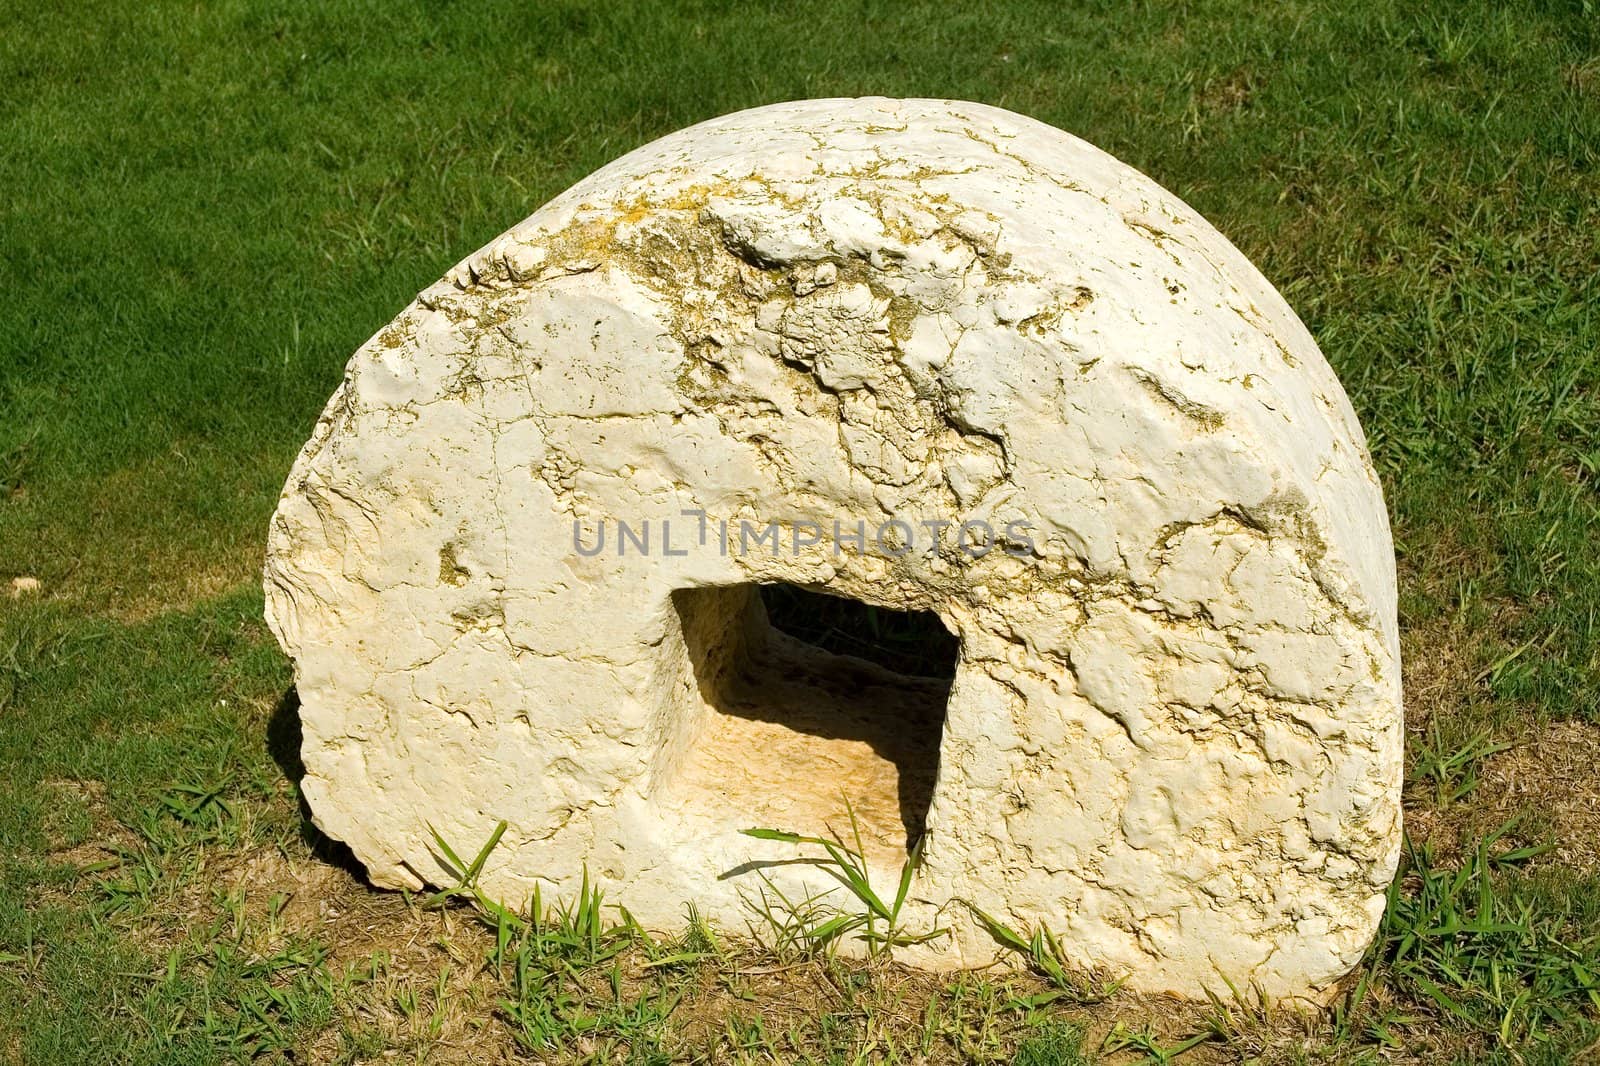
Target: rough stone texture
x,y
1174,732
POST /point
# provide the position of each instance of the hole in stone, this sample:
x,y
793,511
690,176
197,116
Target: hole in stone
x,y
913,643
809,698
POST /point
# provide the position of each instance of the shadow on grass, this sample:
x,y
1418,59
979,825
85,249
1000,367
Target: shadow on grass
x,y
283,744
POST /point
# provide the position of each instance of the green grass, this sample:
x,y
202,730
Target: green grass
x,y
207,208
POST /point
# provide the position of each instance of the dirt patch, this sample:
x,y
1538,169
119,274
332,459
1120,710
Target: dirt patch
x,y
1227,94
1436,674
1584,77
1542,785
1549,778
79,828
416,978
1457,731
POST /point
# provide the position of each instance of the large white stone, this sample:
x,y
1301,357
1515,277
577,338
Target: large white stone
x,y
1174,733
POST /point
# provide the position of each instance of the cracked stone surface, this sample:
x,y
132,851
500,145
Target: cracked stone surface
x,y
1173,735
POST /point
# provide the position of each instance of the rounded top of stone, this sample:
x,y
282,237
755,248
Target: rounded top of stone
x,y
1103,278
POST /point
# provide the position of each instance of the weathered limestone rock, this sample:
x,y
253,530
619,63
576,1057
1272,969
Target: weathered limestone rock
x,y
1174,731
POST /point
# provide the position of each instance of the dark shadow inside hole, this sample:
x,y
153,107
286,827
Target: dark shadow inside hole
x,y
859,692
914,643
